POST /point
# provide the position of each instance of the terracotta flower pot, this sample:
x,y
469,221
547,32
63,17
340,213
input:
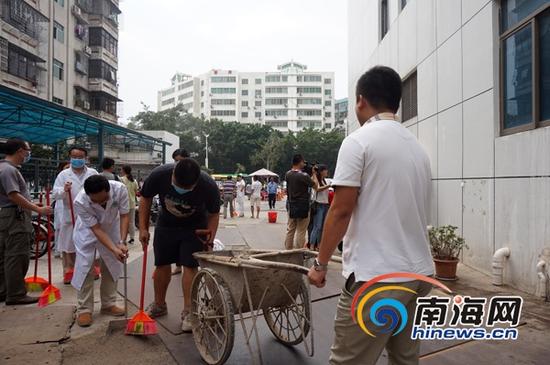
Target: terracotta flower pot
x,y
445,269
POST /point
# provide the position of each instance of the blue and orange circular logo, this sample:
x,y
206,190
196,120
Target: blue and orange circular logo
x,y
386,313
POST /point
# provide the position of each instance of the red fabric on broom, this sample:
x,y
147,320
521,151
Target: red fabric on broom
x,y
51,294
141,323
36,283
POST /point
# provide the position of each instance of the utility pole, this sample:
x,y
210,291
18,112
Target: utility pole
x,y
206,158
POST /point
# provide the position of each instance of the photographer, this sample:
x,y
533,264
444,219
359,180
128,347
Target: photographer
x,y
299,184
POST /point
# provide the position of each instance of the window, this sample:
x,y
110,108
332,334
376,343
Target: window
x,y
57,100
223,90
312,78
167,92
168,101
525,81
244,81
409,99
258,93
58,32
308,112
328,103
103,102
328,114
202,104
308,90
223,113
223,101
258,114
258,81
202,93
20,63
328,92
244,92
328,81
60,2
276,112
276,90
22,16
81,63
309,101
309,124
258,103
276,101
102,70
244,115
57,69
99,37
244,103
384,18
277,123
223,79
328,126
273,78
186,95
202,82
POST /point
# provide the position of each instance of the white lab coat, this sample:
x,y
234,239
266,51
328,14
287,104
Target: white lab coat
x,y
88,215
64,224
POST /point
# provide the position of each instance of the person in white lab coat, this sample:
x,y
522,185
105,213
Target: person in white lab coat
x,y
102,224
72,180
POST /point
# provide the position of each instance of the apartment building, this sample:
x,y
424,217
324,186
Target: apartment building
x,y
476,93
65,51
341,113
289,99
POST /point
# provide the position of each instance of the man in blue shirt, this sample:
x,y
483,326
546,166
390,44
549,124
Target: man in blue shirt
x,y
272,188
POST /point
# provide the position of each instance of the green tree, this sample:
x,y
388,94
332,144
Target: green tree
x,y
271,152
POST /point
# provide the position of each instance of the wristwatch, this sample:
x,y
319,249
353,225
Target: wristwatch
x,y
319,267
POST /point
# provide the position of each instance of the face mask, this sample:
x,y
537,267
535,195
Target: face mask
x,y
180,190
78,163
27,158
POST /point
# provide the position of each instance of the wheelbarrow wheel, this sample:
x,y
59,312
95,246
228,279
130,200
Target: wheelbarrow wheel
x,y
213,311
290,323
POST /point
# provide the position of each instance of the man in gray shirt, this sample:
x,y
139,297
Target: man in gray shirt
x,y
108,167
15,224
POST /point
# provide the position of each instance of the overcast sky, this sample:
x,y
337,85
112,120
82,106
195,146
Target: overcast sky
x,y
158,38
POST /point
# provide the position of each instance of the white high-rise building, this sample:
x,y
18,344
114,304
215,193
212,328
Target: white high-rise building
x,y
289,99
476,93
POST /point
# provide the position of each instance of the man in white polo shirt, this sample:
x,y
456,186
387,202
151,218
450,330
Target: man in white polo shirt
x,y
382,188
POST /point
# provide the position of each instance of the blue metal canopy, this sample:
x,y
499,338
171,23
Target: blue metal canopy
x,y
43,122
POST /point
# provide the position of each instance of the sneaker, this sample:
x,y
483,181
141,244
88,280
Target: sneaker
x,y
155,310
113,311
177,270
27,299
187,322
84,319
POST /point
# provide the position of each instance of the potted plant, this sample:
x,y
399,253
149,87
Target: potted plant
x,y
446,247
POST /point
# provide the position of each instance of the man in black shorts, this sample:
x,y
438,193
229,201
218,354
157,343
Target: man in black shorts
x,y
190,200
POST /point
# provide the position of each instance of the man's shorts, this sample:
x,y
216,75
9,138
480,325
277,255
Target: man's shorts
x,y
255,201
176,246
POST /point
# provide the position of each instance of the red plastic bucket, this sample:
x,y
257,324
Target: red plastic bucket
x,y
272,217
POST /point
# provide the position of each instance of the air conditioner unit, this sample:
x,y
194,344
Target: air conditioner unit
x,y
88,50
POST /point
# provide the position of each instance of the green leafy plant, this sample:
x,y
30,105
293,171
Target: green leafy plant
x,y
445,243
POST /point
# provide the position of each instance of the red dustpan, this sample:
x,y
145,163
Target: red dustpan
x,y
141,324
51,294
36,283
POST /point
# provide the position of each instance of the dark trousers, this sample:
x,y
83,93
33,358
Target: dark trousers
x,y
15,240
272,199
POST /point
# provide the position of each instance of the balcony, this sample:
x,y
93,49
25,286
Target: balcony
x,y
109,23
101,114
100,85
82,103
79,14
100,53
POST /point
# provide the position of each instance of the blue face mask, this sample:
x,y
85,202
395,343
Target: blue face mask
x,y
27,158
78,163
181,190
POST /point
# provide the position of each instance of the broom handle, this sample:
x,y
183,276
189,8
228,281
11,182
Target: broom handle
x,y
36,239
48,238
125,290
143,273
71,206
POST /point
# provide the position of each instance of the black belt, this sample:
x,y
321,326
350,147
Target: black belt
x,y
350,283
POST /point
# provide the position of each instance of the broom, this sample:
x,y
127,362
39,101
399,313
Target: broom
x,y
36,283
51,294
141,323
67,277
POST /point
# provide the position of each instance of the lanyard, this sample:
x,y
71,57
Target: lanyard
x,y
383,116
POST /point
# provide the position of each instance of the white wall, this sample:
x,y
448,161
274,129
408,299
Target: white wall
x,y
168,137
495,189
